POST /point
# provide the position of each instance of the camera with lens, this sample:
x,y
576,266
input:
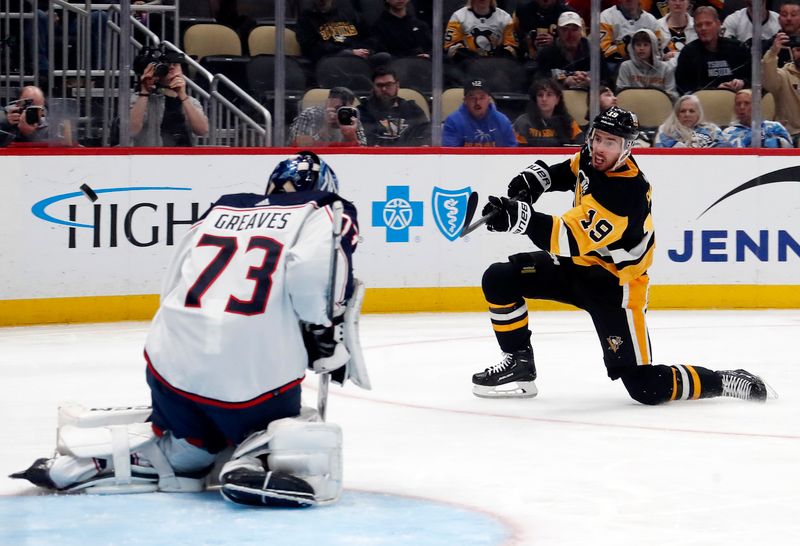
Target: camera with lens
x,y
160,56
794,41
346,115
32,114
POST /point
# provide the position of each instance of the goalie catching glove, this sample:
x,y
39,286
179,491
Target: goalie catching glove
x,y
507,215
326,349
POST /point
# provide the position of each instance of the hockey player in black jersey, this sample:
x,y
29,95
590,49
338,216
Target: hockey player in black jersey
x,y
595,256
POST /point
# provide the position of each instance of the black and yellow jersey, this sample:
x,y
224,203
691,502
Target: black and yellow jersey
x,y
610,224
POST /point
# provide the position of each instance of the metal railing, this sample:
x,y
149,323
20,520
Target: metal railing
x,y
18,28
229,125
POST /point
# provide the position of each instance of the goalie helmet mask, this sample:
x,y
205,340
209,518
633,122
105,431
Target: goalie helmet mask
x,y
302,172
621,123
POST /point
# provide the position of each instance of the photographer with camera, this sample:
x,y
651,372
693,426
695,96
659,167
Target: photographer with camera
x,y
162,114
24,119
334,123
783,82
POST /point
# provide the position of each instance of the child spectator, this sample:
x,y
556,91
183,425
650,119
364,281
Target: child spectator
x,y
617,25
645,67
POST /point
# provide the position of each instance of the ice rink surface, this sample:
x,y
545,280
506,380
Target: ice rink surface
x,y
426,462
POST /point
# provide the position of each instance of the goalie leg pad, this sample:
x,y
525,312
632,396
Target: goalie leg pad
x,y
291,454
96,447
356,369
71,413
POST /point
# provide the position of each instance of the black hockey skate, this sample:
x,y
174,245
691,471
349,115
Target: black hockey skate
x,y
266,488
744,385
512,378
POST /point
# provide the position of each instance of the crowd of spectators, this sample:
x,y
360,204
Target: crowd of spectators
x,y
678,46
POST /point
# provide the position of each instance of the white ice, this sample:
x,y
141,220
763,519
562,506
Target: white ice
x,y
580,464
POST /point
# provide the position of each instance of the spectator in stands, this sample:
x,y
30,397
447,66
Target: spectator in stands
x,y
480,29
784,84
162,114
739,134
546,121
24,120
607,98
535,24
326,30
399,33
789,20
686,127
676,29
478,122
712,61
645,67
567,59
389,120
617,25
739,25
320,126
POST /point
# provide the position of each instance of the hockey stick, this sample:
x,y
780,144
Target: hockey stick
x,y
472,206
336,244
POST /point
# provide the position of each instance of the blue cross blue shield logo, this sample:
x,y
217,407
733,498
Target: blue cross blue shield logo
x,y
397,214
449,210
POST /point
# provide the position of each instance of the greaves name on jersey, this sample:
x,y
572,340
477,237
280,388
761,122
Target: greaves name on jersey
x,y
247,220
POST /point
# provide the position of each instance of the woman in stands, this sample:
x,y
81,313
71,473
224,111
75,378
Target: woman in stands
x,y
686,127
546,121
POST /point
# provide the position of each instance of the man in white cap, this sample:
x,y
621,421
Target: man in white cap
x,y
567,60
535,24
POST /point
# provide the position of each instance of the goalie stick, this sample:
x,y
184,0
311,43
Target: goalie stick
x,y
336,244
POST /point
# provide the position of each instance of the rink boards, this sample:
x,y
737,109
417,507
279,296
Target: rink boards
x,y
727,225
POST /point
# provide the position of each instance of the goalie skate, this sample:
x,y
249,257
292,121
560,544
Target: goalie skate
x,y
513,377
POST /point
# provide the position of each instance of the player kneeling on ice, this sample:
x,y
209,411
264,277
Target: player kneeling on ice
x,y
259,288
595,257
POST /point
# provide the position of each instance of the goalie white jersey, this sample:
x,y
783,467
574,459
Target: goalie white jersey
x,y
240,280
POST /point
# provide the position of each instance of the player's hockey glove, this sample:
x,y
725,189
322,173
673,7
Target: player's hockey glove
x,y
325,346
513,216
530,183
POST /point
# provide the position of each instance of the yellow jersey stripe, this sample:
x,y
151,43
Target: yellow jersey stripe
x,y
499,306
674,384
695,382
523,322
